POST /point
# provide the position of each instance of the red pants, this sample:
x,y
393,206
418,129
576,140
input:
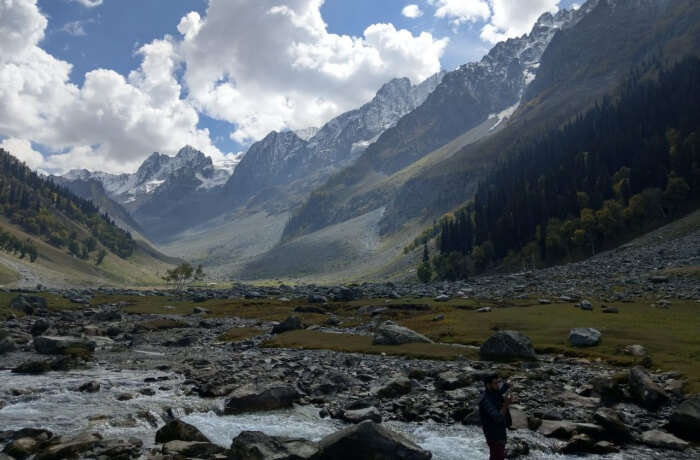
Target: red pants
x,y
497,450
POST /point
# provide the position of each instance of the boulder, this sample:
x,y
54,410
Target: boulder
x,y
560,429
192,449
645,391
32,367
255,445
39,327
314,298
451,380
360,415
584,337
506,346
610,420
250,398
177,430
442,298
395,387
389,333
28,303
657,438
369,440
89,387
685,419
611,310
7,345
21,448
585,305
483,310
63,345
292,323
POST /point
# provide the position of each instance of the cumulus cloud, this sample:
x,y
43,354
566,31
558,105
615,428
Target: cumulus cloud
x,y
23,150
412,11
75,28
110,123
265,66
504,18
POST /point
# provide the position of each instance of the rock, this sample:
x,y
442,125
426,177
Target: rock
x,y
442,298
585,305
579,444
544,301
659,279
89,387
255,445
611,310
614,427
310,309
389,333
559,429
39,327
107,316
290,324
584,337
506,346
369,440
439,317
313,298
190,449
177,430
360,415
32,367
63,345
451,380
519,419
199,310
656,438
645,391
610,389
516,448
483,310
395,387
28,303
7,345
635,350
685,419
21,448
250,398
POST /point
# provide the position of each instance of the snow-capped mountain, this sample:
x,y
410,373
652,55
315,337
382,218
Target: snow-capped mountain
x,y
132,190
282,157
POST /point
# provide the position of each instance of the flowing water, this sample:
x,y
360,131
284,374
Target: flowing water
x,y
50,401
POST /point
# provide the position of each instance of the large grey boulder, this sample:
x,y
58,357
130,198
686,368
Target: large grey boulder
x,y
7,345
584,337
685,419
251,398
369,440
393,388
389,333
177,430
255,445
645,391
63,345
192,449
610,420
360,415
656,438
507,346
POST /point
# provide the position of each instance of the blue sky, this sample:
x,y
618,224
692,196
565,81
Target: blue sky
x,y
236,98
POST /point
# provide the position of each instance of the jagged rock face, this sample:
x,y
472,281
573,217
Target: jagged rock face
x,y
282,157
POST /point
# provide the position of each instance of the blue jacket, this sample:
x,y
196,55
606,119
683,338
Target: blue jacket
x,y
493,422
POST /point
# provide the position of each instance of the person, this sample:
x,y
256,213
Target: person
x,y
494,415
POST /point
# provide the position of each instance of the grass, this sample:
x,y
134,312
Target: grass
x,y
7,275
237,334
315,340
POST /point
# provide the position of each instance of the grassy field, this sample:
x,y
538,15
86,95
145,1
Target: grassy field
x,y
7,275
670,335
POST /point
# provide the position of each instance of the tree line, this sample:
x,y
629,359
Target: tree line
x,y
625,166
41,207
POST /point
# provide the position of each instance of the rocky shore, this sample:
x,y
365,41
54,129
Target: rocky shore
x,y
565,405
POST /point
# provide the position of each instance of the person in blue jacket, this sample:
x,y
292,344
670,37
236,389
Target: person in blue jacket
x,y
494,414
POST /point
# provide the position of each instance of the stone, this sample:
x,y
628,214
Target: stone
x,y
439,317
177,430
389,333
544,301
451,380
39,327
310,309
28,303
395,387
7,345
579,444
685,419
369,440
610,420
192,449
611,310
442,298
585,305
507,346
255,445
89,387
560,429
32,367
62,345
199,311
644,390
21,448
584,337
360,415
313,298
292,323
516,448
659,279
635,350
483,310
250,398
657,438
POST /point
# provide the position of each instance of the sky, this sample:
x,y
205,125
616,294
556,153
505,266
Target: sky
x,y
100,84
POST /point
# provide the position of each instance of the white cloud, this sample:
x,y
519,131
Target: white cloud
x,y
23,150
90,3
266,67
412,11
110,123
512,18
461,11
75,28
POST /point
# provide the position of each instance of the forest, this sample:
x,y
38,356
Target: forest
x,y
43,209
626,166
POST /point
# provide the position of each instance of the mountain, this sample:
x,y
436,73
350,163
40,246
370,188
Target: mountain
x,y
284,157
67,238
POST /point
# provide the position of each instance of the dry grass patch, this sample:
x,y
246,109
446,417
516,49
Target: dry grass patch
x,y
315,340
237,334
